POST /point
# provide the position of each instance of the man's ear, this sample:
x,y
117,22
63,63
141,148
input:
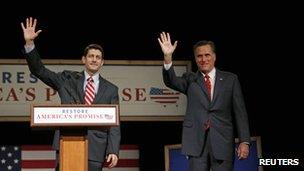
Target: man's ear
x,y
83,59
102,62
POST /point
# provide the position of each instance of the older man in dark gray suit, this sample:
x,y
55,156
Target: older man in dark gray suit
x,y
71,87
215,102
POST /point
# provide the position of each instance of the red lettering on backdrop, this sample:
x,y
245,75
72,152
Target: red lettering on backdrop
x,y
49,92
0,94
140,92
30,92
12,94
126,92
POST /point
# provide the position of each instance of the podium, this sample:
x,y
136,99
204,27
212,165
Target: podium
x,y
73,122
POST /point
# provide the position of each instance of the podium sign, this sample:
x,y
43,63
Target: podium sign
x,y
72,115
73,121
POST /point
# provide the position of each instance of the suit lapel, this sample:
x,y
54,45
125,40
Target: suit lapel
x,y
219,80
80,89
101,90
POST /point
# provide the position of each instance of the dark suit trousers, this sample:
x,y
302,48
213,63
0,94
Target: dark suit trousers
x,y
206,160
95,166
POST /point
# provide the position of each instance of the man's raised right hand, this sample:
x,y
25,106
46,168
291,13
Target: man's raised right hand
x,y
29,31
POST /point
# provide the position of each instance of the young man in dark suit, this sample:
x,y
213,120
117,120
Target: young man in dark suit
x,y
72,87
214,100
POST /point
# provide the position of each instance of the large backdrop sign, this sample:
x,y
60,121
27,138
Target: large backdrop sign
x,y
142,93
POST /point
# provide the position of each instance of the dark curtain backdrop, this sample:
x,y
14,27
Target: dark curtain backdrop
x,y
261,43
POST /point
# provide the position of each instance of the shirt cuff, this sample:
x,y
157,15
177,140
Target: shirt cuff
x,y
28,49
167,66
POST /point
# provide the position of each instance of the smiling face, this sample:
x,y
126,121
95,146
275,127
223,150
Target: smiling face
x,y
205,58
93,61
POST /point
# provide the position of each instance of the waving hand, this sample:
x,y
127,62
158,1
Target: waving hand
x,y
166,46
29,30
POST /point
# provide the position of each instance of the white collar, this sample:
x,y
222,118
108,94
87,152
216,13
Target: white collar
x,y
211,74
95,76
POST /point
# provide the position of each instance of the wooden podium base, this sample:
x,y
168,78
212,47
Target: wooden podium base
x,y
73,130
73,153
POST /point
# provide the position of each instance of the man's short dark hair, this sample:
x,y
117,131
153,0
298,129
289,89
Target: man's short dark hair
x,y
203,43
93,46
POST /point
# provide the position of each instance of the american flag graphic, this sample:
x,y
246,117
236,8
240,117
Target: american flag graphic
x,y
161,95
27,158
43,158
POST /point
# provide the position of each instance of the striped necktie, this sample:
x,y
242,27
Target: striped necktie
x,y
89,91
